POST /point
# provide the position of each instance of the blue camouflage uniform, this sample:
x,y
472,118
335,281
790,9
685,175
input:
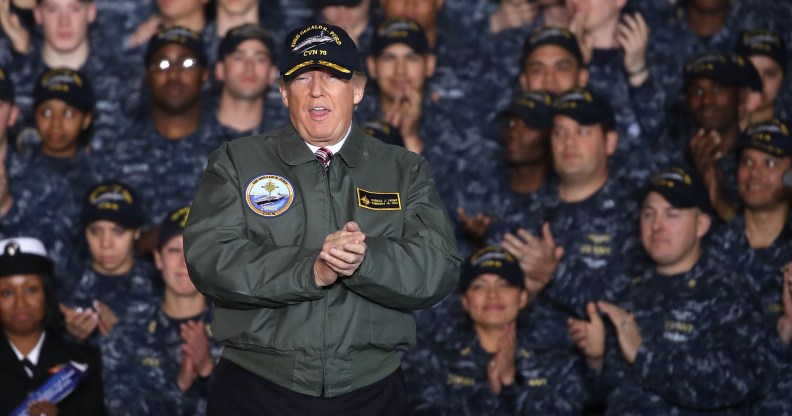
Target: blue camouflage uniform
x,y
128,295
699,352
142,359
164,172
43,208
600,239
447,376
116,20
762,268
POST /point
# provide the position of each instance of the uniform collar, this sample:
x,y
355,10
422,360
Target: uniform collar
x,y
293,150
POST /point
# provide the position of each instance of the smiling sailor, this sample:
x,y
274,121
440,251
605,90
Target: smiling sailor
x,y
316,241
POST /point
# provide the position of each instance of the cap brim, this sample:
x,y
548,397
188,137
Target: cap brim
x,y
339,70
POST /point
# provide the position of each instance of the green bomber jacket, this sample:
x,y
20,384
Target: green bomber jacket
x,y
258,222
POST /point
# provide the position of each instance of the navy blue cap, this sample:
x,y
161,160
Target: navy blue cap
x,y
770,136
325,3
381,129
585,107
173,225
680,188
113,201
763,42
400,30
6,86
318,45
553,36
491,259
239,34
535,108
66,85
723,68
188,38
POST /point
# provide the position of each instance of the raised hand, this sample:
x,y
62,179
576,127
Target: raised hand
x,y
501,370
633,36
12,26
80,323
474,226
627,330
196,347
589,336
538,258
342,253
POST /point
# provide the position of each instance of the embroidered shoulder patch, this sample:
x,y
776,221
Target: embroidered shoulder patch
x,y
269,195
378,201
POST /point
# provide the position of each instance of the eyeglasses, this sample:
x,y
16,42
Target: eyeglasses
x,y
165,64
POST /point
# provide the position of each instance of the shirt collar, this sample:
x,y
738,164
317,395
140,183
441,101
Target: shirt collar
x,y
334,148
34,354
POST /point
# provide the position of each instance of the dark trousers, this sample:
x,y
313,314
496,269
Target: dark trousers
x,y
236,391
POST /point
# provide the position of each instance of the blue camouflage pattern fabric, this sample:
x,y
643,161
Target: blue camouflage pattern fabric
x,y
447,376
43,208
763,271
142,359
700,351
128,295
164,172
116,21
600,239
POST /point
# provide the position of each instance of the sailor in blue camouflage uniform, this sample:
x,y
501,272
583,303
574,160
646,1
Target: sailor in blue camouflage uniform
x,y
117,86
164,154
481,364
758,241
354,16
768,52
400,63
160,363
510,198
114,285
64,107
690,33
589,231
246,68
681,335
26,196
718,88
461,82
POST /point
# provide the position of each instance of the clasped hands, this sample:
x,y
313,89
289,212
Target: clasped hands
x,y
342,253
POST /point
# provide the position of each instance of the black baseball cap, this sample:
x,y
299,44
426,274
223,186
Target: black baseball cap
x,y
173,225
682,189
535,108
67,85
400,30
491,259
6,86
552,36
770,136
188,38
239,34
763,42
113,201
724,68
318,45
585,107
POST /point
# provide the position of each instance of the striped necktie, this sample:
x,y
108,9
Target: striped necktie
x,y
325,156
29,367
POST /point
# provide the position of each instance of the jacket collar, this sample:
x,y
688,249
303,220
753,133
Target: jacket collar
x,y
293,151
